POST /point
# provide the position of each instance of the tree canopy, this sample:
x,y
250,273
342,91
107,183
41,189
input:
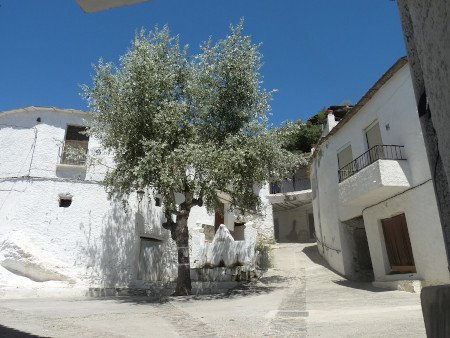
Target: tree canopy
x,y
180,124
195,125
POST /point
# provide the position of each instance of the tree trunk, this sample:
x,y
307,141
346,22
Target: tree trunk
x,y
184,286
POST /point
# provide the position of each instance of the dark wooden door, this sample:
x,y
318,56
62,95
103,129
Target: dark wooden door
x,y
219,217
398,244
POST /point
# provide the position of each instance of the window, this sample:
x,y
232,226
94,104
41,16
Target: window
x,y
398,245
373,135
345,156
239,231
75,146
373,139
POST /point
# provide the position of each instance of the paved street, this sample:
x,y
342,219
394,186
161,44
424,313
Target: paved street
x,y
299,297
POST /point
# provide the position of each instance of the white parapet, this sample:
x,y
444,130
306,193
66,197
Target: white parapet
x,y
376,182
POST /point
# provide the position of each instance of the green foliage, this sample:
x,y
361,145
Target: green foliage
x,y
192,125
264,247
320,118
299,136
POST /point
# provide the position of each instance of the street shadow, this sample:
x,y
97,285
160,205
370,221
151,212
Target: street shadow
x,y
312,252
8,332
275,279
359,285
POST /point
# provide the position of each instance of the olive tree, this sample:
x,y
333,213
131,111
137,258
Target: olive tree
x,y
194,125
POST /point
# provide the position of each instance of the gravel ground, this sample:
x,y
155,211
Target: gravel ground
x,y
299,297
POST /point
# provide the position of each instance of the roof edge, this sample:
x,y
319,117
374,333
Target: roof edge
x,y
399,64
46,109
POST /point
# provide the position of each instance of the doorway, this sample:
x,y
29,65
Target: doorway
x,y
398,244
219,216
358,254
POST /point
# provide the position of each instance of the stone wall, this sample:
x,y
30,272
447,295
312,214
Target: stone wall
x,y
426,31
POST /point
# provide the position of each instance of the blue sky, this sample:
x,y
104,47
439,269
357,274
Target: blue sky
x,y
316,53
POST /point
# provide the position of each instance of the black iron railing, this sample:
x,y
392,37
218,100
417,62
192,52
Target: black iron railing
x,y
378,152
290,185
74,152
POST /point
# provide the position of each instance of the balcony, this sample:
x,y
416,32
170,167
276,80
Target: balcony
x,y
290,185
74,153
378,152
379,173
72,160
290,194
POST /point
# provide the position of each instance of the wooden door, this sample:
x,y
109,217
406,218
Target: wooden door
x,y
398,244
219,216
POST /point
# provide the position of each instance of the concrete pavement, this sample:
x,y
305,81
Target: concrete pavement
x,y
299,297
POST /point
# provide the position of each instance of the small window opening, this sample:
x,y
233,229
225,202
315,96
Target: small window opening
x,y
209,232
239,231
65,202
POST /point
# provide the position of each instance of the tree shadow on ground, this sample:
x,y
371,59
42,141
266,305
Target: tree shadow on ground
x,y
263,286
239,291
8,332
275,279
313,254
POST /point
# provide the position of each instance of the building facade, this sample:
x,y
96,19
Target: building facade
x,y
58,226
293,220
375,210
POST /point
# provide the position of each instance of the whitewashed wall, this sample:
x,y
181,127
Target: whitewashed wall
x,y
94,242
395,109
293,225
426,236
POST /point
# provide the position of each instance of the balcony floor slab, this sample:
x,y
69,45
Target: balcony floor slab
x,y
378,181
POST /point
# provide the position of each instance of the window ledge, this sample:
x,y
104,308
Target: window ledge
x,y
80,167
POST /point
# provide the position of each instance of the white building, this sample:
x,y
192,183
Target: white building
x,y
58,228
292,209
374,206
